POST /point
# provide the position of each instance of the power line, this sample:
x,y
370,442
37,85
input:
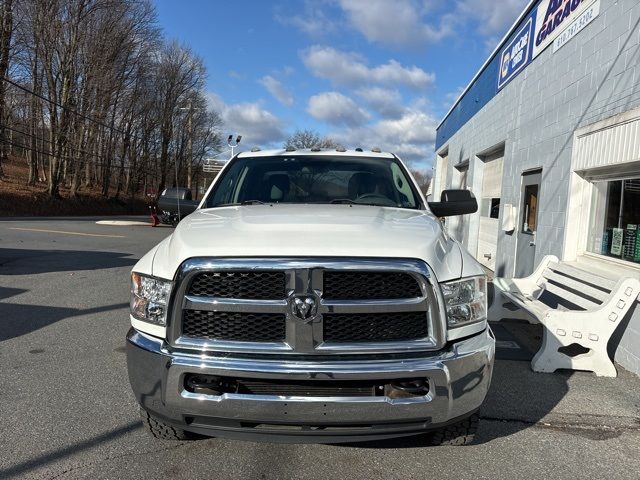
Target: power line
x,y
75,149
64,157
75,112
40,139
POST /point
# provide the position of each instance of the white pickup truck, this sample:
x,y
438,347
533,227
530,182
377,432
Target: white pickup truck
x,y
313,296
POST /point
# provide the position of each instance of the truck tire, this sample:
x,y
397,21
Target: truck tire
x,y
461,433
161,430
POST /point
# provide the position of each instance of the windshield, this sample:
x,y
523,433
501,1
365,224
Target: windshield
x,y
321,180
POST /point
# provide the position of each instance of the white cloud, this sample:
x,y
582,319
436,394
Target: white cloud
x,y
403,23
237,75
257,125
411,137
493,18
277,89
386,102
413,127
398,22
312,21
350,69
451,97
336,109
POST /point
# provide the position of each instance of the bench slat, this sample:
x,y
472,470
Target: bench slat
x,y
576,285
569,296
583,275
536,307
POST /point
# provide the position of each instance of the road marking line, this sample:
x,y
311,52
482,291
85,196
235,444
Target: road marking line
x,y
66,233
124,223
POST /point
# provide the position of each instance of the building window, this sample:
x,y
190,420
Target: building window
x,y
614,227
530,209
490,207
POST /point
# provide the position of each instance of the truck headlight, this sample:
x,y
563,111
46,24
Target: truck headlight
x,y
149,298
465,301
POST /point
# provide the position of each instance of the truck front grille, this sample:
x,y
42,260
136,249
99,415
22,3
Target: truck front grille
x,y
239,327
374,327
308,388
239,284
369,286
315,306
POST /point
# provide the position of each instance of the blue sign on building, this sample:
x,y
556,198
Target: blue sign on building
x,y
546,22
517,54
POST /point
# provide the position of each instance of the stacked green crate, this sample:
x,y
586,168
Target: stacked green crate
x,y
617,241
629,249
606,242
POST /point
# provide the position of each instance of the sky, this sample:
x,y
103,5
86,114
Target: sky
x,y
367,73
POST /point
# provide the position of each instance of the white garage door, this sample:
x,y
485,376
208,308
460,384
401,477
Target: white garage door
x,y
490,210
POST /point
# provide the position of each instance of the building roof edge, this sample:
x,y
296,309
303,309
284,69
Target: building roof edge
x,y
495,51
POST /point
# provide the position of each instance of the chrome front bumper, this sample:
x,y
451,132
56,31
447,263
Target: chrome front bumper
x,y
458,376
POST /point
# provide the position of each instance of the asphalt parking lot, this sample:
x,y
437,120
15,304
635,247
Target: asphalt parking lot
x,y
66,409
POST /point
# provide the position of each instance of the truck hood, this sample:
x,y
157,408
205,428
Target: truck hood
x,y
310,231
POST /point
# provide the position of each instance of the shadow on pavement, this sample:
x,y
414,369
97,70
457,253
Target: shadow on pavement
x,y
6,292
23,468
15,261
17,319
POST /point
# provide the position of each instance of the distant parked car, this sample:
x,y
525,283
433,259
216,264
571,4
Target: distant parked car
x,y
175,204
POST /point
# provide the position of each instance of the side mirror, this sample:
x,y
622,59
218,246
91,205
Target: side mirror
x,y
454,202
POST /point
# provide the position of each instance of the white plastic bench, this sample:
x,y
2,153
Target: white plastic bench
x,y
579,307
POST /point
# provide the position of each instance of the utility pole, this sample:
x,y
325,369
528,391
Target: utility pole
x,y
190,144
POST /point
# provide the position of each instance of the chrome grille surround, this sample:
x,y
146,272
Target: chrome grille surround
x,y
304,279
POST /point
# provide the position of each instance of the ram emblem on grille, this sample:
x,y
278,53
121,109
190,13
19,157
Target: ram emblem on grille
x,y
303,307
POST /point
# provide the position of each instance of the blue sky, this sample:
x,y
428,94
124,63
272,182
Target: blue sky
x,y
365,72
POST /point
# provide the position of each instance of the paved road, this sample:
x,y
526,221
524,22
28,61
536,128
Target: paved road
x,y
66,410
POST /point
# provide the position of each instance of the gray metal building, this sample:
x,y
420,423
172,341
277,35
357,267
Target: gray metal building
x,y
547,136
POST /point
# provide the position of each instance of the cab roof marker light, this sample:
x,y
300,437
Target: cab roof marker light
x,y
376,150
290,149
255,149
341,149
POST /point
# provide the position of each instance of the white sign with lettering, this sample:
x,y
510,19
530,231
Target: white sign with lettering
x,y
552,17
577,25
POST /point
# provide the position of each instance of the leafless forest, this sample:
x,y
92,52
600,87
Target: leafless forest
x,y
92,96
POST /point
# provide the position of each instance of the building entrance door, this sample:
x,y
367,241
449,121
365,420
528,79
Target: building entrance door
x,y
490,209
526,244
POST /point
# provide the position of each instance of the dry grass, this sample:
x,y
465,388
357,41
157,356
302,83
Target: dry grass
x,y
18,199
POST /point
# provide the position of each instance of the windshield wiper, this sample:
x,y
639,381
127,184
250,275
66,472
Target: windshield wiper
x,y
343,200
245,202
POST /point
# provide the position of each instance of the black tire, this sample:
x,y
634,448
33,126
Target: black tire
x,y
161,430
461,433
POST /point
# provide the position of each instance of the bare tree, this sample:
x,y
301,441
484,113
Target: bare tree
x,y
6,32
309,139
101,99
178,73
423,178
